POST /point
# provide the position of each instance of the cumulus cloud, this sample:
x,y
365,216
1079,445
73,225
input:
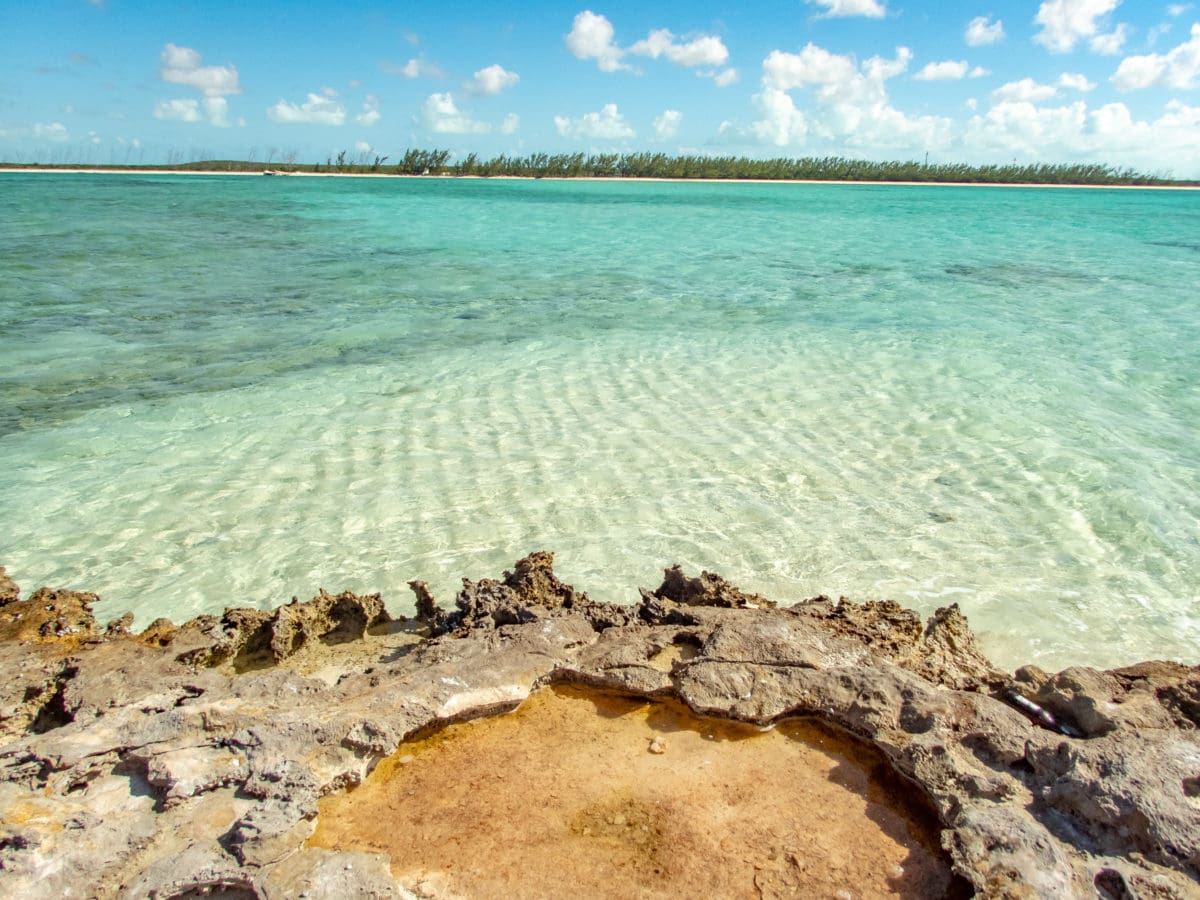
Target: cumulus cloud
x,y
510,124
1065,22
416,67
872,9
1179,68
591,37
370,114
943,71
318,109
178,110
216,110
1075,82
851,108
608,124
982,31
1024,91
706,50
362,147
182,65
50,131
667,124
441,114
493,80
1103,134
1110,44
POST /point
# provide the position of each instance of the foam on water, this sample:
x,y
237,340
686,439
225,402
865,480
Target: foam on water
x,y
220,391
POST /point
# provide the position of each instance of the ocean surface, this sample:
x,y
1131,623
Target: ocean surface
x,y
225,391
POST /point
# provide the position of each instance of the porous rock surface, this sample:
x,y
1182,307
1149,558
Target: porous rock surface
x,y
189,760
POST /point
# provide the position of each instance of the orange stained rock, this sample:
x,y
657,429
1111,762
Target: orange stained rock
x,y
565,798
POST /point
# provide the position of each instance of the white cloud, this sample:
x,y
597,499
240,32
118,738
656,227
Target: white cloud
x,y
979,72
1024,91
416,67
178,110
1153,34
1065,22
510,124
981,31
441,114
370,114
812,65
1022,127
1179,69
1075,82
1102,135
181,65
872,9
706,50
216,110
608,124
1175,10
591,37
851,108
667,124
782,122
362,147
1110,44
493,80
316,110
943,71
50,131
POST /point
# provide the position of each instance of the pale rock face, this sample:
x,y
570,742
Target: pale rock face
x,y
192,758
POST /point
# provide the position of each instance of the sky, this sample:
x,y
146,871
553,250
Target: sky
x,y
151,81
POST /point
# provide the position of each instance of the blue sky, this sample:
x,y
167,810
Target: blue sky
x,y
104,81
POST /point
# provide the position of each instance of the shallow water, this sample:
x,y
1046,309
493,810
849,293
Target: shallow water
x,y
233,390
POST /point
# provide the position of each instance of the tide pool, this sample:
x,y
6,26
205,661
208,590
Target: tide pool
x,y
225,391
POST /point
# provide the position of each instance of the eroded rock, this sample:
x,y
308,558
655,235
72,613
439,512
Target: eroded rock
x,y
192,758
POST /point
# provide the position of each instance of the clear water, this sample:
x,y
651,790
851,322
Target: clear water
x,y
226,391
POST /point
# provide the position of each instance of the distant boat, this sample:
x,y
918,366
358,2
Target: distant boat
x,y
269,172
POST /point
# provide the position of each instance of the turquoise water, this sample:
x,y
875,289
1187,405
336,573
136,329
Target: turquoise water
x,y
219,391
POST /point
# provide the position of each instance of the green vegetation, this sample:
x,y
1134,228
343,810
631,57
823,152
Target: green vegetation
x,y
661,165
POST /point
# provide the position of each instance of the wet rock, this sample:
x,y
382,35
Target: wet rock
x,y
9,591
250,638
708,589
47,614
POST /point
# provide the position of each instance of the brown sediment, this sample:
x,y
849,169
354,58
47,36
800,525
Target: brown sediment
x,y
503,806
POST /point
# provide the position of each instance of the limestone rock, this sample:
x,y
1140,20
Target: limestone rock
x,y
192,759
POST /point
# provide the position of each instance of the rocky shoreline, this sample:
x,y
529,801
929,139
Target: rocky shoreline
x,y
188,760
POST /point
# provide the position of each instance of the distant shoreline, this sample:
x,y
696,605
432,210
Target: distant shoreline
x,y
624,179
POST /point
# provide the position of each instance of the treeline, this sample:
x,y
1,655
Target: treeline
x,y
661,165
829,168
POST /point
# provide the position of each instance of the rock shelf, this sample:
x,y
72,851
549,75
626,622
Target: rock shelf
x,y
254,754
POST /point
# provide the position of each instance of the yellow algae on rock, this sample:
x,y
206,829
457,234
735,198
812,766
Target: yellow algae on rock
x,y
561,796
